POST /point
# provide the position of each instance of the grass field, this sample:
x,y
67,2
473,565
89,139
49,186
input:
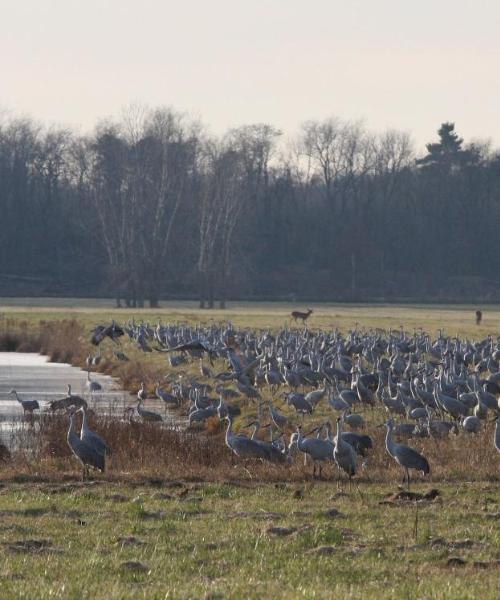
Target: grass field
x,y
218,531
452,319
219,540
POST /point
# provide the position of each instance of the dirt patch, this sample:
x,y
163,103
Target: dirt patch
x,y
323,550
455,561
486,564
150,515
135,566
32,547
129,541
333,513
404,496
116,497
262,515
162,496
453,545
281,531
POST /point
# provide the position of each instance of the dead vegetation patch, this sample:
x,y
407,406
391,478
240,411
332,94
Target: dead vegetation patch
x,y
33,546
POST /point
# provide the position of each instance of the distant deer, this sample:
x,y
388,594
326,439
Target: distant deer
x,y
303,316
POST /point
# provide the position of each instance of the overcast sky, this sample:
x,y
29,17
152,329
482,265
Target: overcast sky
x,y
393,63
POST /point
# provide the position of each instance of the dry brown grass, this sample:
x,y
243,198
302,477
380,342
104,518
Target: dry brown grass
x,y
149,450
18,336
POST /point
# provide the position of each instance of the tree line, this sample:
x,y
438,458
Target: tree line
x,y
152,206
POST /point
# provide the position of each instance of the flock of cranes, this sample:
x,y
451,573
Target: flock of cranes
x,y
426,388
437,387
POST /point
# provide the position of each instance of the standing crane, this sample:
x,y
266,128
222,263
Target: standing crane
x,y
318,449
84,452
405,456
242,446
343,453
28,405
90,437
92,386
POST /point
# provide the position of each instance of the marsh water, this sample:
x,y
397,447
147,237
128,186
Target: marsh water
x,y
34,378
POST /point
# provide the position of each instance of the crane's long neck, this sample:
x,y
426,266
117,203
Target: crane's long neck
x,y
16,395
339,431
300,440
84,420
389,441
71,430
229,431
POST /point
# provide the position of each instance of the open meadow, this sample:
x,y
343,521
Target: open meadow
x,y
178,515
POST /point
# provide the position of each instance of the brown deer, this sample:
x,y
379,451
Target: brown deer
x,y
303,316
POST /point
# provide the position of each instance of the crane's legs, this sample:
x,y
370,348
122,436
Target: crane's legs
x,y
408,477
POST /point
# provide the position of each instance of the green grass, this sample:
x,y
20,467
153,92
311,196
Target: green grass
x,y
213,542
453,319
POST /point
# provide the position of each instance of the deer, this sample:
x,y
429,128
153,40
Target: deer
x,y
303,316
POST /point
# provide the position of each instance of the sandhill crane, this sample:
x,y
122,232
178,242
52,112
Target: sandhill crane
x,y
299,402
343,453
471,424
202,414
319,450
204,370
277,418
121,355
146,415
86,454
315,396
241,445
354,420
71,400
405,456
142,394
165,397
93,386
90,437
449,404
273,452
360,442
27,405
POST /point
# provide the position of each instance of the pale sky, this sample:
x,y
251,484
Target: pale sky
x,y
393,63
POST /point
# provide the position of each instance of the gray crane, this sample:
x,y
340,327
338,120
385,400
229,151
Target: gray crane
x,y
71,400
28,405
274,453
146,415
92,386
449,404
85,453
405,456
471,424
276,417
299,402
318,449
343,453
142,394
90,437
241,445
202,414
165,397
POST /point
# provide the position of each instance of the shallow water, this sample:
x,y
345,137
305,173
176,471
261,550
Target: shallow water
x,y
35,378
